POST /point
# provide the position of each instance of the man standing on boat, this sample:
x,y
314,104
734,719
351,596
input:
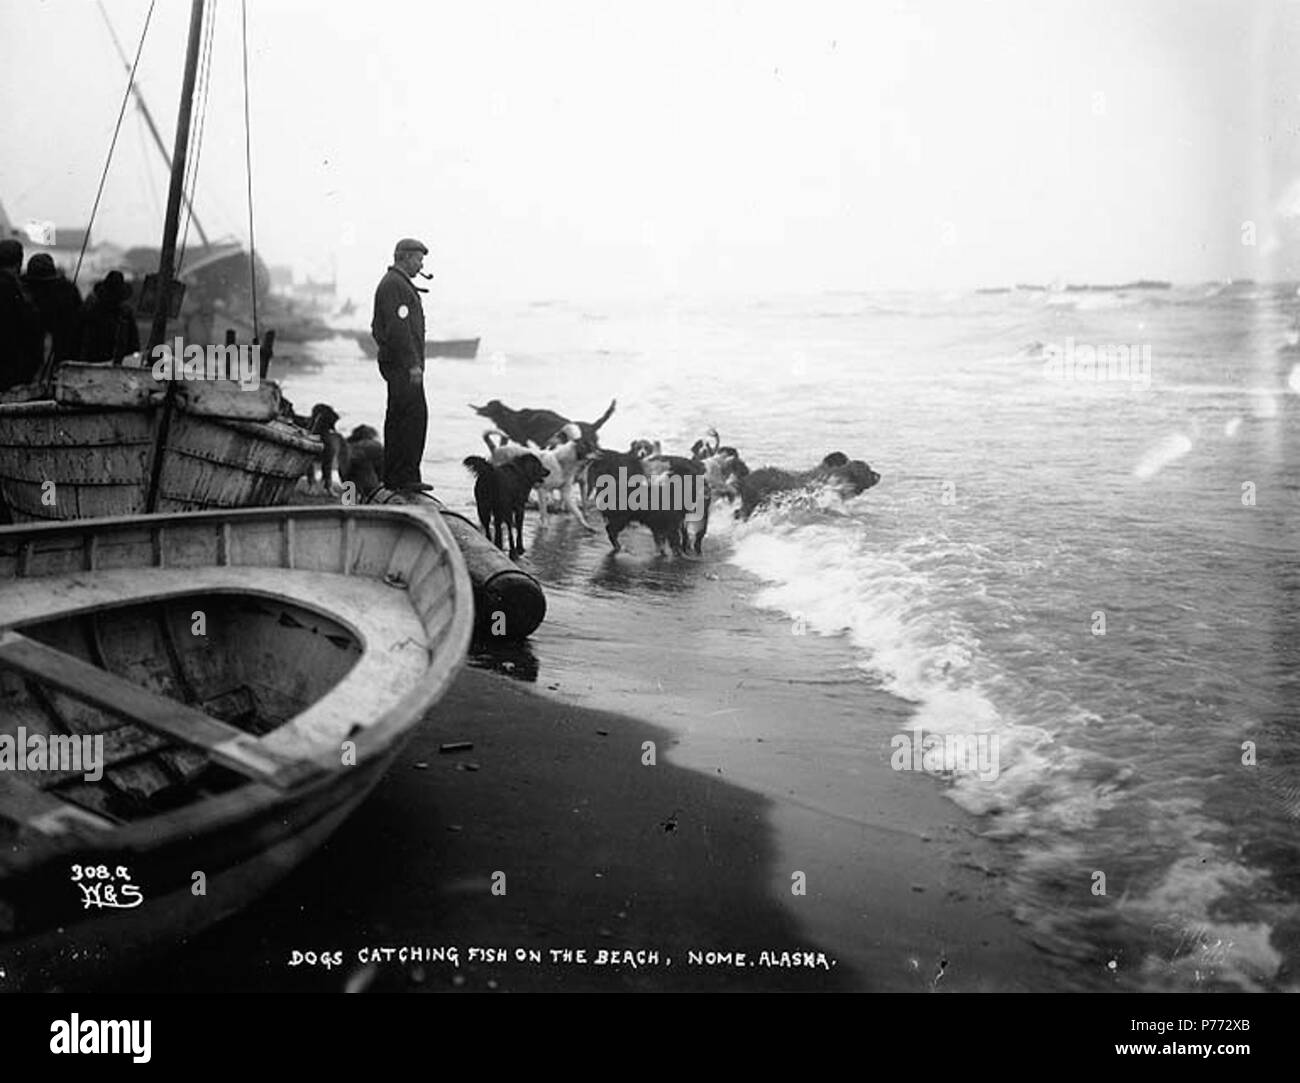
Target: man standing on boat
x,y
398,328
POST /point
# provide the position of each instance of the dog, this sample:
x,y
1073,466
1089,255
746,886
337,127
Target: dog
x,y
501,492
542,428
724,469
583,430
847,477
361,460
289,414
562,464
718,469
668,486
723,465
547,430
324,471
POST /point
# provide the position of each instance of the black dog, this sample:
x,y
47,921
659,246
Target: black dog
x,y
541,427
666,524
328,470
501,492
360,459
712,470
847,477
289,414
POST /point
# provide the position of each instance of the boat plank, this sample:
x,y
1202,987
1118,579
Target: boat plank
x,y
408,548
115,386
227,745
121,746
30,807
227,399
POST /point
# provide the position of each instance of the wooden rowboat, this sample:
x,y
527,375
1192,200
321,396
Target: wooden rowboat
x,y
252,674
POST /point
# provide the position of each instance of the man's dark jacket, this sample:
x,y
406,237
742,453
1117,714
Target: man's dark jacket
x,y
59,303
20,332
398,325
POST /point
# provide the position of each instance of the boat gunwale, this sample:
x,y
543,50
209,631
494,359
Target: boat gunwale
x,y
274,430
373,742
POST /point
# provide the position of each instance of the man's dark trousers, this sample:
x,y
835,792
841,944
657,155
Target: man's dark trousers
x,y
404,430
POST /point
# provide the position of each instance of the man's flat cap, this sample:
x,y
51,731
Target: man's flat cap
x,y
410,244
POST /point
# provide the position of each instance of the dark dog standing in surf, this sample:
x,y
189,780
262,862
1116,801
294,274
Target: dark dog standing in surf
x,y
664,523
540,427
501,492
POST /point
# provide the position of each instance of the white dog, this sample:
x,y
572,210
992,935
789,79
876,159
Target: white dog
x,y
563,464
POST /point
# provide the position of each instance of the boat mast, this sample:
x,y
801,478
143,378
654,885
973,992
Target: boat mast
x,y
167,263
148,119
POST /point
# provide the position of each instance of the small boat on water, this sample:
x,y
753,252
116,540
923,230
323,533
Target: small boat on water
x,y
248,677
464,348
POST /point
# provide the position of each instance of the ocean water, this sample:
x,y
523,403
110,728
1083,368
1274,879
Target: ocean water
x,y
1099,574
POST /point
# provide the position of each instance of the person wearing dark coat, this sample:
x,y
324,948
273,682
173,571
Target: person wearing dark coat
x,y
59,303
20,321
398,328
108,329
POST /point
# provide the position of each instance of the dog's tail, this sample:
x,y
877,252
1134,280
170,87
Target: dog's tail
x,y
487,439
605,416
478,465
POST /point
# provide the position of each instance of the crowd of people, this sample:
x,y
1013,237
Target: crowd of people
x,y
43,317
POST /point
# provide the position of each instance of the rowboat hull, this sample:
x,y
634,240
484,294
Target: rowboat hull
x,y
464,348
247,859
328,634
89,450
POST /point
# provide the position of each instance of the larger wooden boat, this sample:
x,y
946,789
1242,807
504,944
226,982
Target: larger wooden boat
x,y
105,441
251,674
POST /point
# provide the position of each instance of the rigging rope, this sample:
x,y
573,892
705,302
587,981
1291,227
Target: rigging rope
x,y
148,173
116,128
248,168
191,181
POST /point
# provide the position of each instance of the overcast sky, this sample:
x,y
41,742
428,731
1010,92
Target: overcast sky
x,y
548,150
